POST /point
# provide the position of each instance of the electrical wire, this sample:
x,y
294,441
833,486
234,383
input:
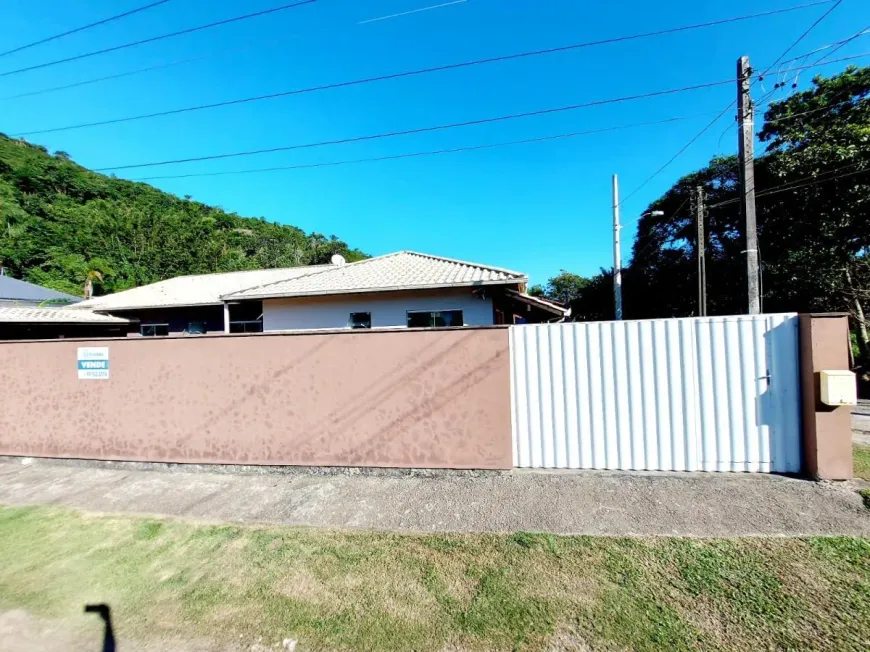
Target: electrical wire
x,y
798,183
818,110
804,35
410,12
726,109
650,243
458,149
427,129
83,28
246,48
843,44
677,155
775,191
835,44
781,63
412,73
765,99
420,130
153,39
394,157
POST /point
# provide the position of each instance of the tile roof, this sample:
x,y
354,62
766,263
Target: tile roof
x,y
196,290
404,270
12,289
552,306
56,316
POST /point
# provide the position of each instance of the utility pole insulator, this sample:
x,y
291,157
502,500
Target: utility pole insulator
x,y
746,159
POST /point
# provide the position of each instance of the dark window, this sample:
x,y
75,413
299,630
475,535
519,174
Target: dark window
x,y
196,328
154,330
360,320
252,326
431,319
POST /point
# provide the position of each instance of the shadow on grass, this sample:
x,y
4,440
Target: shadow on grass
x,y
105,612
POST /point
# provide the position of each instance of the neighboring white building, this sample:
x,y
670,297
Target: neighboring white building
x,y
400,290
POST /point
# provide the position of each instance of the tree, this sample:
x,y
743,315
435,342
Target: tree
x,y
565,287
63,226
89,282
813,212
823,134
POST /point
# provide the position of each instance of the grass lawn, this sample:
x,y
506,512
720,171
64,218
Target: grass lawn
x,y
231,585
861,461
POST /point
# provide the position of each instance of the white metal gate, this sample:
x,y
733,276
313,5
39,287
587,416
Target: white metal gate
x,y
698,394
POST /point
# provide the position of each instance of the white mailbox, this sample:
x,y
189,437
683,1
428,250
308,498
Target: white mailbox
x,y
838,387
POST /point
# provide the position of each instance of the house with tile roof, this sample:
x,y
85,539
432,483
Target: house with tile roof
x,y
32,323
400,290
193,304
405,289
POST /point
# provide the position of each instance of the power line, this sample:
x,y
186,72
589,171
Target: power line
x,y
250,46
410,12
799,183
152,39
791,47
643,249
420,130
843,44
677,155
726,109
83,28
819,62
394,157
836,45
776,191
428,129
421,71
772,191
459,149
804,35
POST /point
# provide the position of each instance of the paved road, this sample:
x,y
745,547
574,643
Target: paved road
x,y
861,423
599,503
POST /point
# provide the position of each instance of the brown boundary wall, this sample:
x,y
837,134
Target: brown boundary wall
x,y
412,399
827,430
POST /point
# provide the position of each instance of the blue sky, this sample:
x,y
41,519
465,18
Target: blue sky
x,y
537,207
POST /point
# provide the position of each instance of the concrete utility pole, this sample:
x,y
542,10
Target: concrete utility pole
x,y
746,152
617,255
702,263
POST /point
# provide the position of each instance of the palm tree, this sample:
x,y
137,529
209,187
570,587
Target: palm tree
x,y
89,282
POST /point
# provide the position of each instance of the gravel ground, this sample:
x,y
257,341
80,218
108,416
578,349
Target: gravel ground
x,y
594,502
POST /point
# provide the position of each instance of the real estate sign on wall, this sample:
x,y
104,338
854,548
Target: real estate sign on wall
x,y
93,362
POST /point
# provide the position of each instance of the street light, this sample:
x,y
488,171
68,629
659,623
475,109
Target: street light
x,y
617,254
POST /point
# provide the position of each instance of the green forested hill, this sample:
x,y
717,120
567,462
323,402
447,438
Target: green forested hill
x,y
61,224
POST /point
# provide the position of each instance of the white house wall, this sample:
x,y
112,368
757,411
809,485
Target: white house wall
x,y
702,394
387,310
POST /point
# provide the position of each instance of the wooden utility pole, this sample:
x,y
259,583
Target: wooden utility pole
x,y
746,153
617,255
701,244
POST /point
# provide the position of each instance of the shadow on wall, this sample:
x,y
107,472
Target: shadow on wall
x,y
413,370
105,612
256,388
407,373
778,400
427,408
